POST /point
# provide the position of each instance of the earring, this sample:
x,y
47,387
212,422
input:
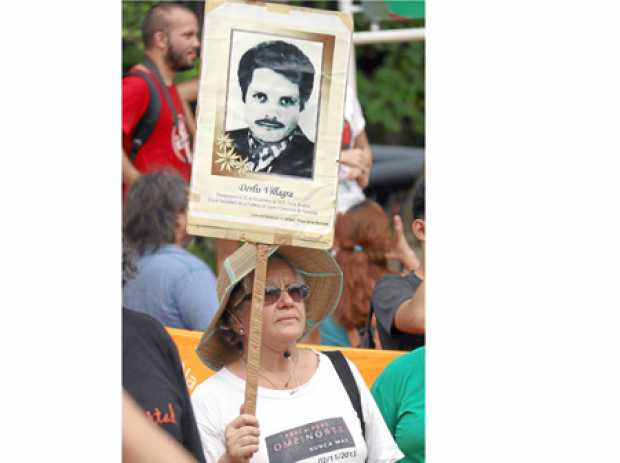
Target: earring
x,y
241,331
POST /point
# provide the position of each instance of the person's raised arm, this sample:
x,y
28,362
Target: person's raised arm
x,y
401,251
410,316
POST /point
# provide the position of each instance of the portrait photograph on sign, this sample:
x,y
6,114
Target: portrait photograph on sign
x,y
272,105
270,117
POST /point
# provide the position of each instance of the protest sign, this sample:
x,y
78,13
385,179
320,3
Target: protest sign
x,y
270,116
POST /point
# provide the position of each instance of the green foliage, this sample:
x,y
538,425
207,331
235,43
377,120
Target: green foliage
x,y
133,50
204,248
392,95
391,86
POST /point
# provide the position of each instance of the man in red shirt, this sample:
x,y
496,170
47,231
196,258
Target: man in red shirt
x,y
171,43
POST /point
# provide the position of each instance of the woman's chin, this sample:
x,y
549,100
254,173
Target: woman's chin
x,y
287,331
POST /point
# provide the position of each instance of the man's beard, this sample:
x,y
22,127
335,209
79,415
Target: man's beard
x,y
174,59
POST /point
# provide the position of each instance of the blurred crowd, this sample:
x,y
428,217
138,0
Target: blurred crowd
x,y
301,390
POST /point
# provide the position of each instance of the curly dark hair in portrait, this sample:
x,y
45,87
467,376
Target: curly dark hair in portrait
x,y
283,58
151,209
365,237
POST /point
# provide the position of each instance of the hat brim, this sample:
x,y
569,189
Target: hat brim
x,y
319,269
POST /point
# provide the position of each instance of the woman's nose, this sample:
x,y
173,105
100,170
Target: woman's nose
x,y
285,297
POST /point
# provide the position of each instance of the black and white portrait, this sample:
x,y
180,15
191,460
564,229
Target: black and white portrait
x,y
272,102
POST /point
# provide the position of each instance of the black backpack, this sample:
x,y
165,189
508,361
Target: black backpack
x,y
149,119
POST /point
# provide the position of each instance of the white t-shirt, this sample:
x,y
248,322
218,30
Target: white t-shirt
x,y
315,423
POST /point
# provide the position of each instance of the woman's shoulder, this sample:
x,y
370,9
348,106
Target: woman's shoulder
x,y
222,382
328,364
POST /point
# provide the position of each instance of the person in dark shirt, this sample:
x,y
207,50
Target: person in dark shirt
x,y
153,375
398,302
145,442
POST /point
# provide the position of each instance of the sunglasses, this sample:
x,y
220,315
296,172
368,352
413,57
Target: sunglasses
x,y
298,292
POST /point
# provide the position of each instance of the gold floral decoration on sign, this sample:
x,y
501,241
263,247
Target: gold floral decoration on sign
x,y
226,157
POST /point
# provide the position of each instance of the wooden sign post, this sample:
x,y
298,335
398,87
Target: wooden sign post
x,y
287,194
256,329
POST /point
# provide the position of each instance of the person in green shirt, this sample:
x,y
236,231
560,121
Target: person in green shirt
x,y
399,393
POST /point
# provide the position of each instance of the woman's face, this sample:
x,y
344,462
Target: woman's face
x,y
284,320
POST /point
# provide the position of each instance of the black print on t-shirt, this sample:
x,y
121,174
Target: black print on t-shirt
x,y
309,440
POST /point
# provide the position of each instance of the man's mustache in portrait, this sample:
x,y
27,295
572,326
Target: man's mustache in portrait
x,y
269,123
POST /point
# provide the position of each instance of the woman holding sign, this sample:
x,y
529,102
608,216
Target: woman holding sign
x,y
307,408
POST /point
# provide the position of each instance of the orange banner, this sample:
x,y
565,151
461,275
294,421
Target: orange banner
x,y
369,362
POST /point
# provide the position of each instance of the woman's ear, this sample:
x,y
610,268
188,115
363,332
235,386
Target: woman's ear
x,y
237,325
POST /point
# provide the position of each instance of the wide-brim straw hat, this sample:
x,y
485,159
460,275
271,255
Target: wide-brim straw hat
x,y
319,269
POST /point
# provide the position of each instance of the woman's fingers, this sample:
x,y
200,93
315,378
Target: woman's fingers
x,y
247,452
354,173
246,440
233,435
352,157
244,420
249,430
242,436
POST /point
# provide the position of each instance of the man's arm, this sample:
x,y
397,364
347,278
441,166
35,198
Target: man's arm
x,y
410,316
130,173
189,117
188,90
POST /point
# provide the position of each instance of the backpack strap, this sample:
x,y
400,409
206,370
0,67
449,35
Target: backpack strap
x,y
348,381
149,119
153,68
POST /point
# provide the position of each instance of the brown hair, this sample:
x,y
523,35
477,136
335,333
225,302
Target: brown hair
x,y
157,19
364,236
